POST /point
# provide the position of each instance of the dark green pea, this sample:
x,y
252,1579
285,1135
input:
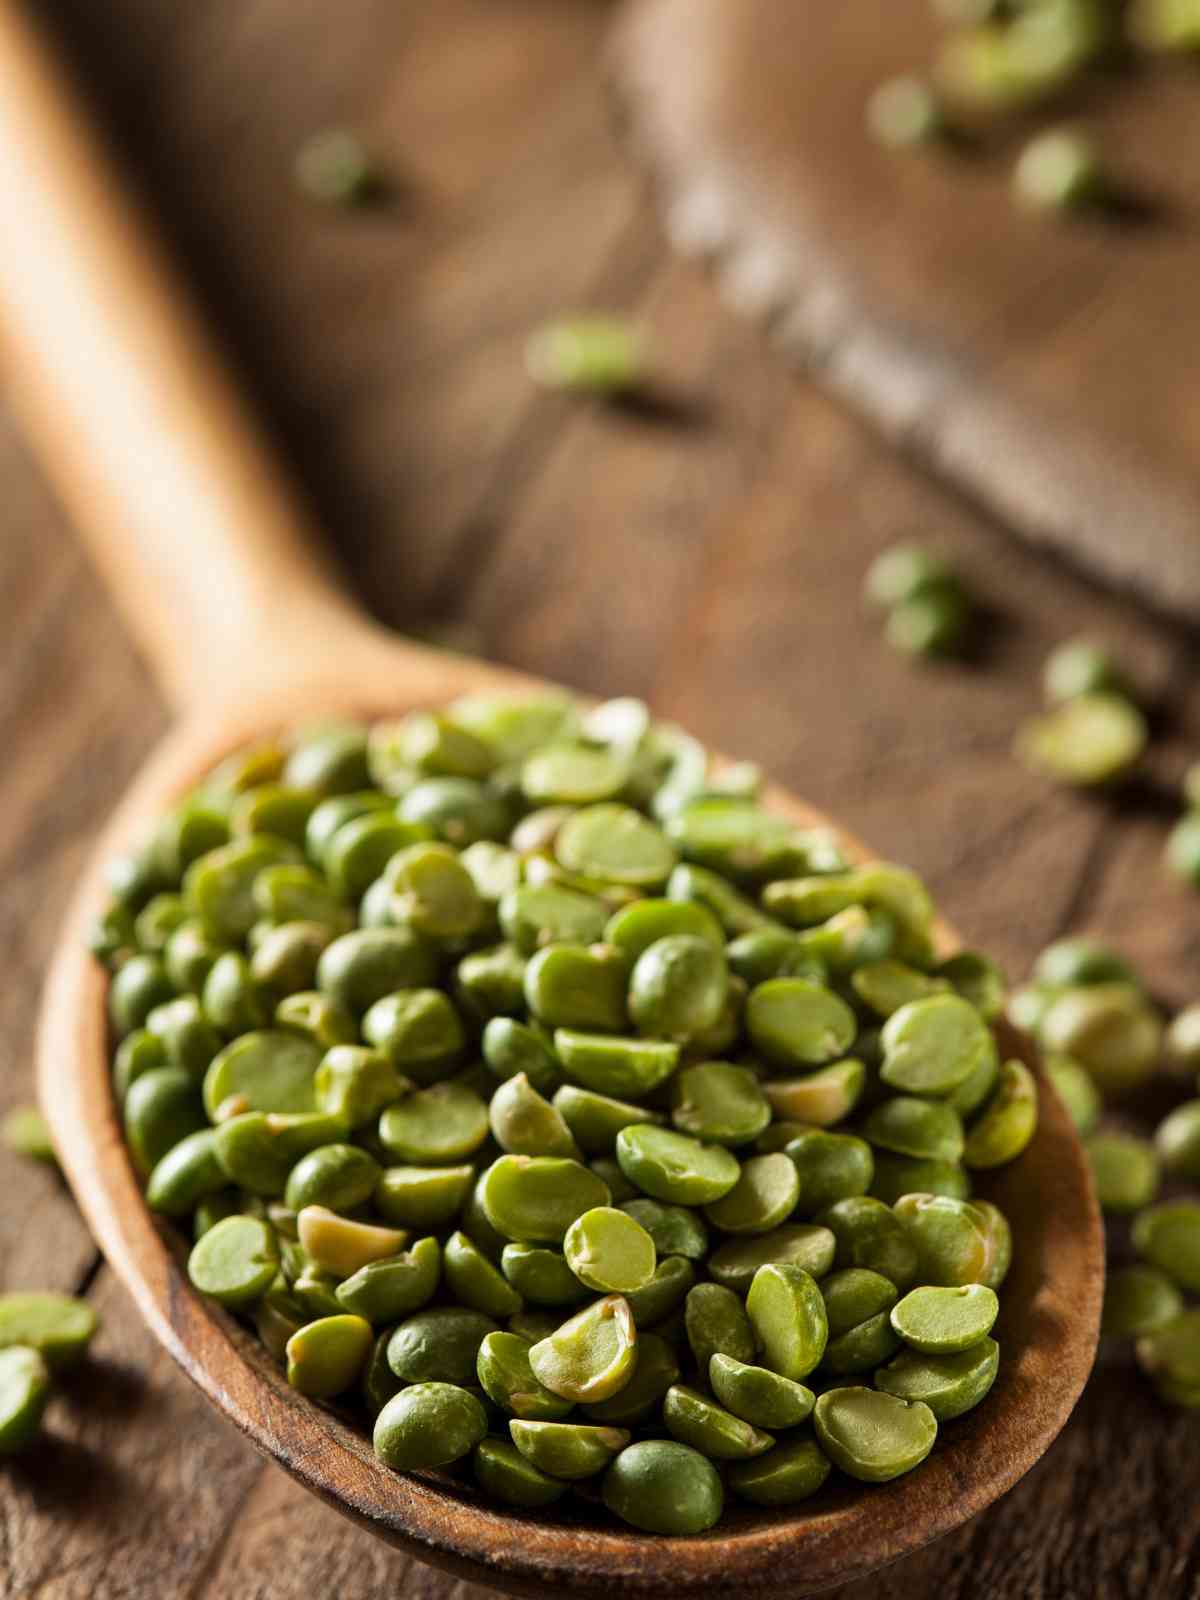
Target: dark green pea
x,y
977,1088
258,1150
433,893
362,967
861,1348
459,810
275,809
793,1471
1168,1237
719,1102
923,1129
998,1235
331,760
732,837
185,834
218,888
948,1384
873,1436
614,1066
423,1197
136,1055
830,1167
381,1291
491,983
670,1166
577,987
1171,1357
235,1261
332,814
869,1234
717,1324
949,1237
535,915
1110,1029
111,938
661,1486
787,1313
675,1230
475,1282
634,929
619,1187
735,912
188,1038
1068,963
318,1018
978,980
1008,1122
795,1244
694,1420
379,1383
162,1106
231,999
594,1119
793,1022
418,1030
523,1123
1138,1300
355,1084
157,920
510,1047
757,1395
1124,1170
502,1472
1178,1142
818,1099
285,960
854,1296
428,1424
655,1370
942,1321
137,987
931,1046
567,1450
664,1294
134,877
888,986
340,1176
441,1345
763,1197
677,988
541,1275
616,844
896,1176
243,769
591,1355
508,1380
269,1070
768,953
535,1199
189,956
25,1387
436,1126
533,1325
187,1174
59,1327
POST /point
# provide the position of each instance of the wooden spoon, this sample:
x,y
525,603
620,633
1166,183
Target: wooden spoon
x,y
208,549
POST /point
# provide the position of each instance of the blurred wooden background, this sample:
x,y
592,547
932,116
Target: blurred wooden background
x,y
708,557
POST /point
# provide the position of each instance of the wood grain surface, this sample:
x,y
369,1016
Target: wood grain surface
x,y
1051,368
708,556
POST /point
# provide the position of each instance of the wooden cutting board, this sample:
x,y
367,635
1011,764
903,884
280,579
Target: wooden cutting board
x,y
1049,368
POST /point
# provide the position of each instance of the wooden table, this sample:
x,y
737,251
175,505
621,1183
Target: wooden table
x,y
708,557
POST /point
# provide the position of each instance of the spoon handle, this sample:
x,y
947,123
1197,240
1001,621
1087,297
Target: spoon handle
x,y
201,536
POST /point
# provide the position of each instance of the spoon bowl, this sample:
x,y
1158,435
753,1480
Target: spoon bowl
x,y
216,562
1047,1329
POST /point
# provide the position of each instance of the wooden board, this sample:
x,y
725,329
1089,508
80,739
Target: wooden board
x,y
1049,369
713,566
